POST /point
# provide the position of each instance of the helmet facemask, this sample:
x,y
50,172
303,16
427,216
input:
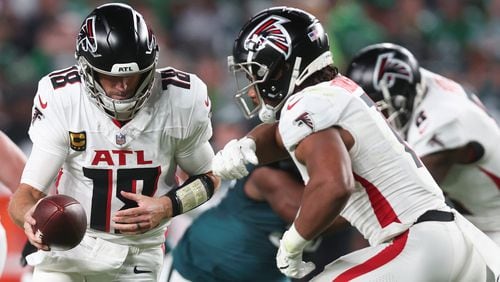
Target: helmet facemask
x,y
268,87
114,40
245,80
398,108
118,109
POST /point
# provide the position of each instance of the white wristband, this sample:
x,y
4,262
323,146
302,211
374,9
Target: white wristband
x,y
293,241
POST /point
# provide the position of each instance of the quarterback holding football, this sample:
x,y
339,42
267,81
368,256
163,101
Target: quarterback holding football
x,y
112,130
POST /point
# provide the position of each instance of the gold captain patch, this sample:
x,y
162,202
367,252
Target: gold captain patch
x,y
78,140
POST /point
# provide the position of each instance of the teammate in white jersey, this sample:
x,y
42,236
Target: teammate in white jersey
x,y
12,161
351,161
447,127
114,129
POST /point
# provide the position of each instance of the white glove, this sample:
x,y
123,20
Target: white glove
x,y
230,162
289,257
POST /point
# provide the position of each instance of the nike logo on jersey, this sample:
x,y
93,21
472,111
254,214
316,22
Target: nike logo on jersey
x,y
42,104
207,102
139,271
291,105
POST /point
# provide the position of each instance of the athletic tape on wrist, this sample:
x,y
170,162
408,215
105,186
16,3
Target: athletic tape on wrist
x,y
194,192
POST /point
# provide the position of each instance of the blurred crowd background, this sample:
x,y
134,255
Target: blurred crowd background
x,y
457,38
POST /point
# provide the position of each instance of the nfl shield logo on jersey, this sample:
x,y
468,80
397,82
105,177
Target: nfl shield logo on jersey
x,y
120,139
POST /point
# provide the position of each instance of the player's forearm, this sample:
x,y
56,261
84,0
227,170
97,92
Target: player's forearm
x,y
320,206
215,179
268,147
23,199
281,190
166,203
13,161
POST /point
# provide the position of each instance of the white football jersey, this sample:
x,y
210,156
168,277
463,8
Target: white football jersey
x,y
103,157
392,186
449,118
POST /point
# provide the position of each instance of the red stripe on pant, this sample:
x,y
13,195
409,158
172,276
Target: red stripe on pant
x,y
380,259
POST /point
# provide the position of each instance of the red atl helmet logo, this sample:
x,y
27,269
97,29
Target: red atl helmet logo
x,y
151,42
388,68
86,38
270,32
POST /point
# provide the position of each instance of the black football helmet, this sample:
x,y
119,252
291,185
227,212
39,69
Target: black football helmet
x,y
390,75
276,51
115,40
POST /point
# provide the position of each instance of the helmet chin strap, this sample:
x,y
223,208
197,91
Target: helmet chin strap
x,y
421,90
267,114
295,75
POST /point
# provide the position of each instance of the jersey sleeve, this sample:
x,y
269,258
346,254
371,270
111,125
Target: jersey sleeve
x,y
310,112
198,132
446,136
444,124
38,172
47,121
446,119
50,140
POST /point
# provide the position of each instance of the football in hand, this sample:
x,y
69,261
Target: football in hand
x,y
60,222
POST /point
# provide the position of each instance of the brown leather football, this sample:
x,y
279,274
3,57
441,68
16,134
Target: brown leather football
x,y
60,222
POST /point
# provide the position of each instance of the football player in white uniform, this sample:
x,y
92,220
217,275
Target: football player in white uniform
x,y
11,167
351,161
113,129
447,127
